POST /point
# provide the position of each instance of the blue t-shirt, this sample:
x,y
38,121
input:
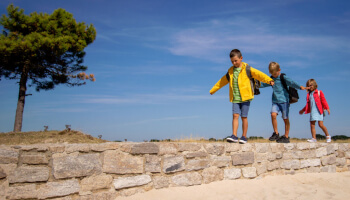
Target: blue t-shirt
x,y
279,94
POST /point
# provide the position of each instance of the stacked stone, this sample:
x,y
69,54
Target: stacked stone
x,y
109,170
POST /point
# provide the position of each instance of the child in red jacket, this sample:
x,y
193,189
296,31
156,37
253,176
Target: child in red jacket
x,y
316,105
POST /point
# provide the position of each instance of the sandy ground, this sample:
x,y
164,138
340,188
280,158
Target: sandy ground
x,y
295,187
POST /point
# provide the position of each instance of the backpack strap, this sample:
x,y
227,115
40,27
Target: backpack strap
x,y
249,74
283,81
228,76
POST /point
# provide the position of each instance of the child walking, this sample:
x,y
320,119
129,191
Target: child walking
x,y
280,101
315,105
241,92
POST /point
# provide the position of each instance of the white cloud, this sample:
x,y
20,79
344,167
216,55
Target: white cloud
x,y
212,39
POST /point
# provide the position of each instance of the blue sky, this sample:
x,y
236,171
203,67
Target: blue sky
x,y
155,62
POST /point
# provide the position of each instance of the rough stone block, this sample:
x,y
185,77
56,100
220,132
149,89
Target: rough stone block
x,y
261,157
232,147
197,154
22,192
273,165
189,147
247,147
29,174
58,189
70,148
289,146
8,156
303,146
188,179
329,169
160,182
329,160
310,163
341,161
261,168
290,164
121,163
242,158
234,173
344,147
153,164
2,173
96,182
220,161
57,148
36,159
313,170
126,182
272,156
347,155
275,147
104,146
4,187
173,164
167,149
249,172
145,148
76,166
193,165
331,148
215,148
309,154
212,174
322,151
262,147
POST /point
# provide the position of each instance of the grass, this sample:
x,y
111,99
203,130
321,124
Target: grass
x,y
25,138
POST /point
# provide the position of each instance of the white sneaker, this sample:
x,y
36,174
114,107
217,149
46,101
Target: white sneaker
x,y
312,140
328,139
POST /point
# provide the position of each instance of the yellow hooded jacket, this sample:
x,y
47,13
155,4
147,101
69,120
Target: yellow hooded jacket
x,y
243,82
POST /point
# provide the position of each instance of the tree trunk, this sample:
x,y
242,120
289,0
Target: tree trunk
x,y
21,100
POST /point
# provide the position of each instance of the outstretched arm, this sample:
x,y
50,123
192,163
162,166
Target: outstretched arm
x,y
221,83
261,76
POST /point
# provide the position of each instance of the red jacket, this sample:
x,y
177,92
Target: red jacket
x,y
321,102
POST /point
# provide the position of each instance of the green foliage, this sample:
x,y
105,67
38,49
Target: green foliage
x,y
255,137
48,49
320,137
340,137
154,140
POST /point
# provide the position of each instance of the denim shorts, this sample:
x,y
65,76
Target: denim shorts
x,y
281,107
241,108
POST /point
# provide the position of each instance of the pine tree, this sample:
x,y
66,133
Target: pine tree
x,y
43,50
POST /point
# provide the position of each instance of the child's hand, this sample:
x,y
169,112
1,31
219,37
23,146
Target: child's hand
x,y
272,83
301,112
329,111
302,87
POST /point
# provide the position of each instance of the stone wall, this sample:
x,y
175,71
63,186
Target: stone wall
x,y
109,170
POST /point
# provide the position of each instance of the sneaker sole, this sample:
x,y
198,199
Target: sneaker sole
x,y
273,139
231,140
282,141
242,142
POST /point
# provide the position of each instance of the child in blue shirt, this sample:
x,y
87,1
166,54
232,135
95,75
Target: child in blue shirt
x,y
280,101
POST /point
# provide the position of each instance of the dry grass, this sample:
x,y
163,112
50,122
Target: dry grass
x,y
25,138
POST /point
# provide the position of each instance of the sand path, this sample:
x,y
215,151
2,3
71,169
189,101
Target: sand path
x,y
299,186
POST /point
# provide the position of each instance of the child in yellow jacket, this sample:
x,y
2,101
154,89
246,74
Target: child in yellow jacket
x,y
241,92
